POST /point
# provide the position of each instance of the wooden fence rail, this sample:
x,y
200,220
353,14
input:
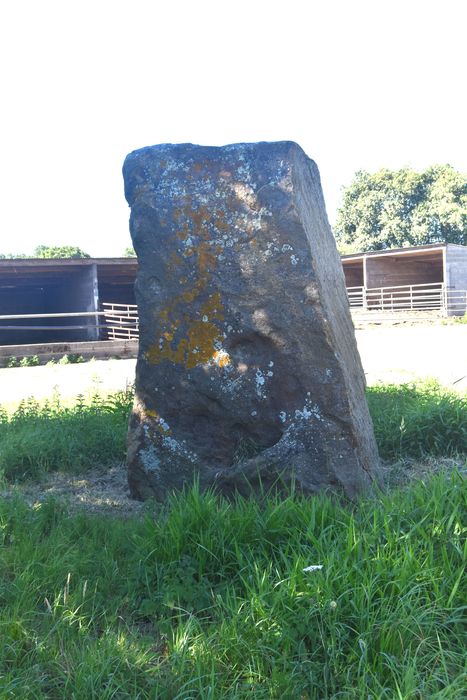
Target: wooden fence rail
x,y
121,321
411,297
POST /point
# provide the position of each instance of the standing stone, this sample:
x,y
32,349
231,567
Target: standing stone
x,y
248,373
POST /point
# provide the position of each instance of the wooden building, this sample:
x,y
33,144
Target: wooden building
x,y
431,277
49,300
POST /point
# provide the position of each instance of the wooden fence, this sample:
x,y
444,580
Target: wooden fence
x,y
115,321
121,321
410,297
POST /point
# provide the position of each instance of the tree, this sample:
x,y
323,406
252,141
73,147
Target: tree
x,y
395,209
12,256
65,251
129,252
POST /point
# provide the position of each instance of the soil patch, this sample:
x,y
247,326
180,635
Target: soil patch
x,y
95,491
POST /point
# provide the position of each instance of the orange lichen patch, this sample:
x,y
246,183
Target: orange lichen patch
x,y
201,215
213,308
201,336
191,339
221,358
159,424
191,351
189,295
206,257
221,223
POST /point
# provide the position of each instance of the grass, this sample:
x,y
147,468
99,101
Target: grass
x,y
39,438
208,600
34,360
205,599
414,420
410,420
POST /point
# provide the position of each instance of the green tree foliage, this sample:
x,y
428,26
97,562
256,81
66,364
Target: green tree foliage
x,y
395,209
65,251
12,256
129,252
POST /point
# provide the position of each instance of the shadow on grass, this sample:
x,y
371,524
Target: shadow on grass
x,y
40,438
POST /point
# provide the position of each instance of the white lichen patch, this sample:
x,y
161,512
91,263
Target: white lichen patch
x,y
248,264
271,248
233,387
282,416
245,193
294,260
308,411
171,444
304,413
178,449
259,381
150,459
164,425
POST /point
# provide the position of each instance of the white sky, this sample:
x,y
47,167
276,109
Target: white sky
x,y
358,84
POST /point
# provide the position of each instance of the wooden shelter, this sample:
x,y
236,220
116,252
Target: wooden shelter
x,y
423,278
54,300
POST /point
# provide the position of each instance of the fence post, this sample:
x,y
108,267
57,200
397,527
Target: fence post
x,y
444,292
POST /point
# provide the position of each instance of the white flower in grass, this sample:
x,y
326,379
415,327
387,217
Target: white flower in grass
x,y
313,567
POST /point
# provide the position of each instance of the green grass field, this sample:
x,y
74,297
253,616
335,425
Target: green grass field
x,y
208,599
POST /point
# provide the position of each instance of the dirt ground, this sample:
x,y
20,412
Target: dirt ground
x,y
96,491
389,354
394,354
106,492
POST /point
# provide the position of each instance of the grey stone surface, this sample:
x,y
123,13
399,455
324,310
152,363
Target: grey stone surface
x,y
248,371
